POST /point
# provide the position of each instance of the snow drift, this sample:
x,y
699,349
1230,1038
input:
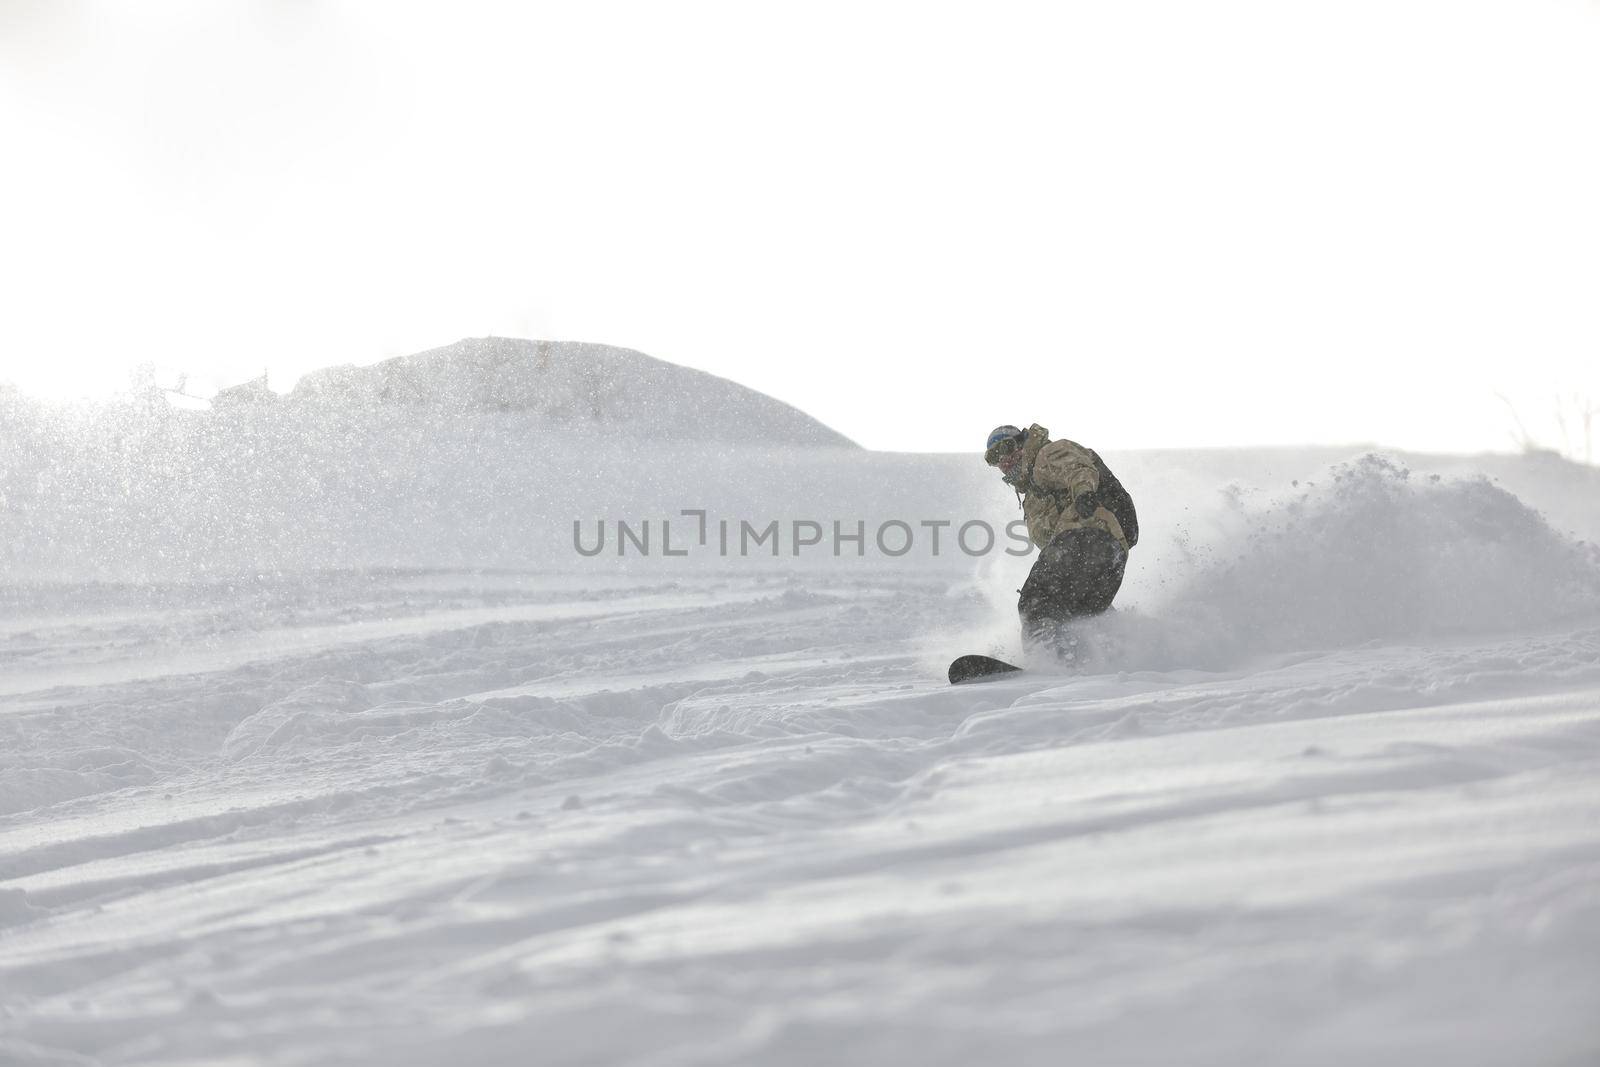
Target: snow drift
x,y
1370,552
477,454
561,385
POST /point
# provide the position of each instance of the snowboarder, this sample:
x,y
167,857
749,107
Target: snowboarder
x,y
1081,518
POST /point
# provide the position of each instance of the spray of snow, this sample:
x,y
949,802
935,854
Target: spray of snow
x,y
1369,552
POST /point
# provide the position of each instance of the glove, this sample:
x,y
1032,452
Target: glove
x,y
1085,504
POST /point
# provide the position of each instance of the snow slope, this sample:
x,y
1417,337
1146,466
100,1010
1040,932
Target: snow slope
x,y
1324,791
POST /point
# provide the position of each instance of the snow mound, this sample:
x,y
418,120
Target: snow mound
x,y
563,384
1370,553
478,454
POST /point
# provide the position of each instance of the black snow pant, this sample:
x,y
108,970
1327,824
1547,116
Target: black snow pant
x,y
1077,573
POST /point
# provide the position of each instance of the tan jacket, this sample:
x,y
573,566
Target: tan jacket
x,y
1058,471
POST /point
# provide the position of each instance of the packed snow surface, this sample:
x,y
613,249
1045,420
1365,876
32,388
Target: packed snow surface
x,y
1321,791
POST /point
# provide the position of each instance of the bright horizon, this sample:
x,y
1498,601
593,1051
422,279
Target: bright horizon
x,y
1153,226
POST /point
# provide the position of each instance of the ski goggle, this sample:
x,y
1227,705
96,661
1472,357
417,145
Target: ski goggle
x,y
1000,450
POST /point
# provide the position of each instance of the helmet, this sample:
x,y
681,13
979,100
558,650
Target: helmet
x,y
1003,440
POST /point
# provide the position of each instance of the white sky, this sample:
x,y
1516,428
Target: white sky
x,y
1144,224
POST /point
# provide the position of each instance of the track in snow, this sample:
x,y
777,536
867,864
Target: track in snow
x,y
404,818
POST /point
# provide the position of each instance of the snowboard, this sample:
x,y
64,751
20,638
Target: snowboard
x,y
979,669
